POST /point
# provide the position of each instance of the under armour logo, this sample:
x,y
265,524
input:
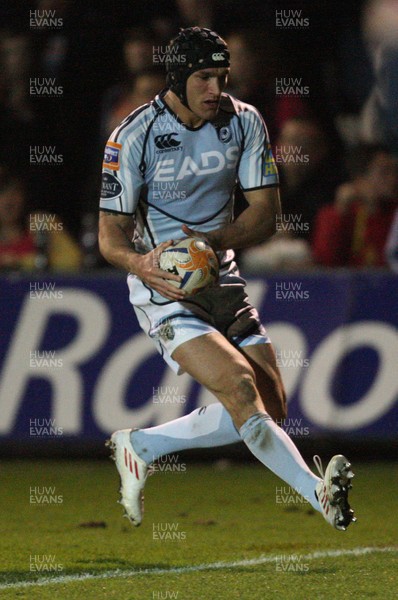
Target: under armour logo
x,y
166,141
218,56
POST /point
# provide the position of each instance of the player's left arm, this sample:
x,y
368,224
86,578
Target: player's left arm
x,y
258,178
256,224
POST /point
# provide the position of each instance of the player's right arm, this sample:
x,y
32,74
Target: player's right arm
x,y
121,185
115,234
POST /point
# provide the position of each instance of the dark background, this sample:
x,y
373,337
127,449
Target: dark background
x,y
329,55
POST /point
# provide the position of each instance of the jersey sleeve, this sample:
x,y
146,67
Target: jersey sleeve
x,y
257,168
122,181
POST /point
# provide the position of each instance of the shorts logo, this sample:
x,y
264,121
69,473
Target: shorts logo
x,y
224,134
111,187
111,156
218,56
166,332
166,141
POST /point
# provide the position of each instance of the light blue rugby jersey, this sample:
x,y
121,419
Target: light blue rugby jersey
x,y
165,173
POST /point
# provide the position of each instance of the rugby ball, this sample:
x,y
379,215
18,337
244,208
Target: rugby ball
x,y
193,260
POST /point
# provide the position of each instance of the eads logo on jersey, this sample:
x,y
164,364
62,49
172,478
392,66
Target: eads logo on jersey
x,y
167,143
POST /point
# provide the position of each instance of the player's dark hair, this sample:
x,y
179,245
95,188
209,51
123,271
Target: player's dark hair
x,y
194,48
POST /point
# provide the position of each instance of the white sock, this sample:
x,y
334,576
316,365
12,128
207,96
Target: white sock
x,y
273,447
205,427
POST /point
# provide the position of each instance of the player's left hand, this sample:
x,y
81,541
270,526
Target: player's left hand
x,y
195,234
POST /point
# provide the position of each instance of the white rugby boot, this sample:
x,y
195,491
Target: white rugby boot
x,y
332,492
133,472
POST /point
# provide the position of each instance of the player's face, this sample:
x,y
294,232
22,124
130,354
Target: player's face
x,y
204,90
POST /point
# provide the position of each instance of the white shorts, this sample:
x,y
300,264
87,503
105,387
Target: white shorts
x,y
223,307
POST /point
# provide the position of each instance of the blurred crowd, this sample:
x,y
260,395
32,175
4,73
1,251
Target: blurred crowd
x,y
324,79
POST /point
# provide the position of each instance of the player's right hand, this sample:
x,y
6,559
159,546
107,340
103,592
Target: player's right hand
x,y
146,267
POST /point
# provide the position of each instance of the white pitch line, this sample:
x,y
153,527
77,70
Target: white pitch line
x,y
261,560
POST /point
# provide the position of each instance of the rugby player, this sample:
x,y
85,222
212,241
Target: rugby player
x,y
199,143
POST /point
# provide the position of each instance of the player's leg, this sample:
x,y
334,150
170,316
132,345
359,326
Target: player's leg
x,y
239,321
332,492
261,358
224,371
206,427
213,362
170,326
212,426
217,365
133,450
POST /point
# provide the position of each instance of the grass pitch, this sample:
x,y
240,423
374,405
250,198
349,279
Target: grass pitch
x,y
212,531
